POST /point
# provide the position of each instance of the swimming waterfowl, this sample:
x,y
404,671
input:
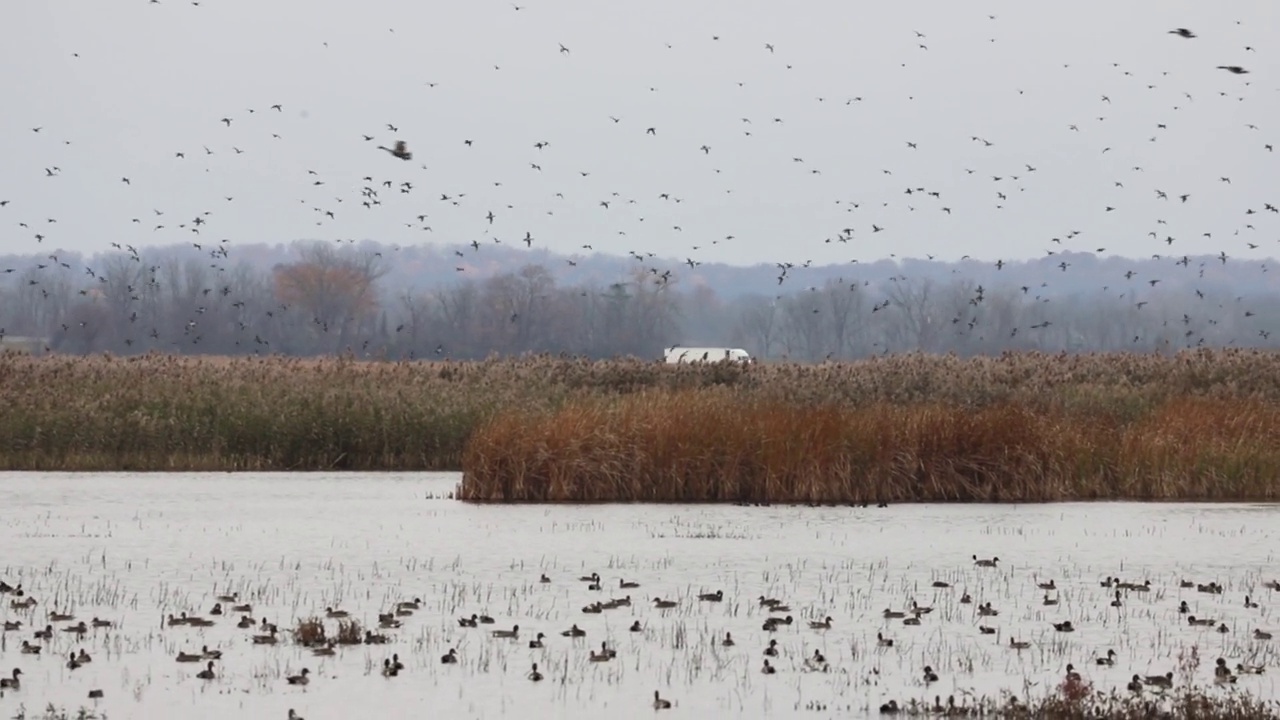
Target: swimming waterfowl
x,y
83,657
772,649
883,641
328,650
1164,681
889,708
102,623
987,611
1249,669
663,604
1192,620
768,669
544,578
207,673
1186,584
1116,602
893,614
1072,674
816,662
245,623
771,624
1261,634
534,675
779,608
12,682
1222,628
985,563
512,633
389,670
414,604
79,628
1135,685
450,658
299,679
1273,585
61,617
185,657
242,608
12,625
72,662
966,599
768,602
635,627
1049,601
592,578
210,654
472,621
1047,586
593,609
1184,608
233,597
1221,673
594,586
1019,644
6,588
574,631
1249,604
45,634
1109,660
29,649
1212,588
96,695
986,630
388,623
820,624
197,622
1064,626
625,584
920,609
941,584
659,703
268,639
602,657
26,604
929,675
336,614
616,603
293,715
716,596
727,641
372,638
912,621
216,609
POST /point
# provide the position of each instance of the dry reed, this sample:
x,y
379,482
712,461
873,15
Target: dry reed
x,y
1020,427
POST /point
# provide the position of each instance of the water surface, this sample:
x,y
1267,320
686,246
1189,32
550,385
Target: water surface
x,y
134,548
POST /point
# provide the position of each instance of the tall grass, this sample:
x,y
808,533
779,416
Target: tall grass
x,y
1020,427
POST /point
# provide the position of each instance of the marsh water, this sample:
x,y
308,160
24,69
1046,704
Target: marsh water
x,y
134,548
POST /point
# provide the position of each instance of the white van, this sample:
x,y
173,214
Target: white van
x,y
676,355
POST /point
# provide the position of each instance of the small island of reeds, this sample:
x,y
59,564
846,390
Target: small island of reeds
x,y
1201,425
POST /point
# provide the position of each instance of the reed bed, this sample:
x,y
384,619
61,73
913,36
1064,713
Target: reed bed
x,y
1020,427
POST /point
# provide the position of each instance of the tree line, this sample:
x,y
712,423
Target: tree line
x,y
326,298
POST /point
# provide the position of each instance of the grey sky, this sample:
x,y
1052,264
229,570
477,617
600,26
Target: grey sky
x,y
152,80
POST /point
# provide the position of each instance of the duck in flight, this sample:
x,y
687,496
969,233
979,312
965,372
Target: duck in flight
x,y
400,151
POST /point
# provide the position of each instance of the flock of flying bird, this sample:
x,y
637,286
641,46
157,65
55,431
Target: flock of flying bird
x,y
376,186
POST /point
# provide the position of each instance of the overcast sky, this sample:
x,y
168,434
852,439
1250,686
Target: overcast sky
x,y
118,87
